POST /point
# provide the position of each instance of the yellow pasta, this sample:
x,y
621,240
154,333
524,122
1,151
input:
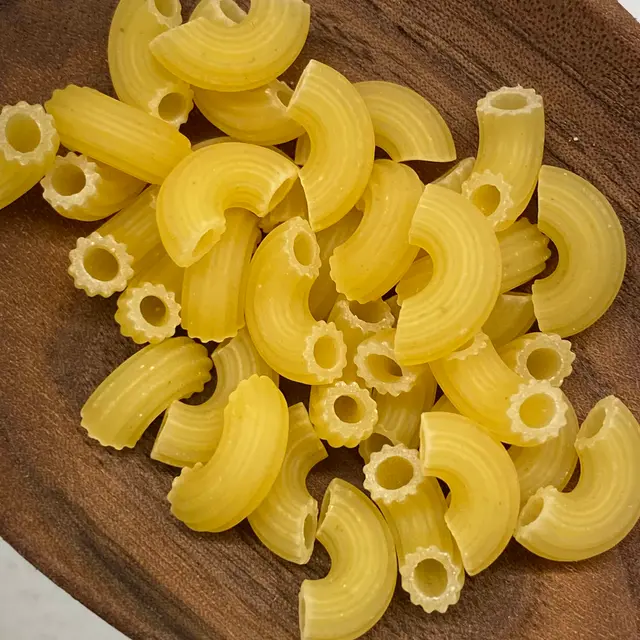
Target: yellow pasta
x,y
414,508
485,389
511,317
141,388
456,176
277,308
138,78
511,123
116,133
339,127
303,150
605,504
215,286
406,125
194,198
591,253
28,145
225,490
287,518
539,356
394,306
356,592
104,261
81,189
191,433
236,56
444,404
483,482
323,291
465,283
390,201
343,413
293,205
223,11
550,464
258,115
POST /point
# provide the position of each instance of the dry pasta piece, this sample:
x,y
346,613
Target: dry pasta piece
x,y
511,317
235,55
389,202
138,78
462,292
215,286
414,508
406,125
591,253
287,519
28,145
277,308
456,176
81,189
504,176
258,115
303,150
485,389
356,592
539,356
191,433
605,504
484,485
141,388
194,198
116,133
219,494
223,11
339,127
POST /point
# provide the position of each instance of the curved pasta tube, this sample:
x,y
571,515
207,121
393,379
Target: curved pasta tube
x,y
605,504
138,78
390,201
406,125
356,592
591,253
504,176
286,520
323,291
414,508
550,464
339,127
485,389
285,333
116,133
511,317
539,356
229,56
81,189
484,485
141,388
444,404
466,278
215,287
293,205
394,306
238,477
258,115
377,365
222,11
456,176
190,433
302,150
28,146
104,261
214,179
343,413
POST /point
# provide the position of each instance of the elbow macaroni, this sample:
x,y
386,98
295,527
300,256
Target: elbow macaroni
x,y
511,317
456,176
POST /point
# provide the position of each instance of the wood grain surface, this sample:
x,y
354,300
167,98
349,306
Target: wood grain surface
x,y
97,521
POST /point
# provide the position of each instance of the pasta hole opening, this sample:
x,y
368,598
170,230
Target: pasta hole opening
x,y
167,8
68,179
303,249
205,244
372,312
375,442
101,264
394,473
509,101
153,310
537,410
309,531
544,364
486,198
348,409
531,511
325,352
431,577
384,368
22,133
172,106
594,422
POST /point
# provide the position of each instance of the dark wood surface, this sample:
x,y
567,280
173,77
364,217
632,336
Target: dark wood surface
x,y
97,521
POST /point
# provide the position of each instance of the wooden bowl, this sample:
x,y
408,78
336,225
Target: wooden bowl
x,y
97,521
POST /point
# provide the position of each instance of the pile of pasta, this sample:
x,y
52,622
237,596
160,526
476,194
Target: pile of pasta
x,y
348,274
